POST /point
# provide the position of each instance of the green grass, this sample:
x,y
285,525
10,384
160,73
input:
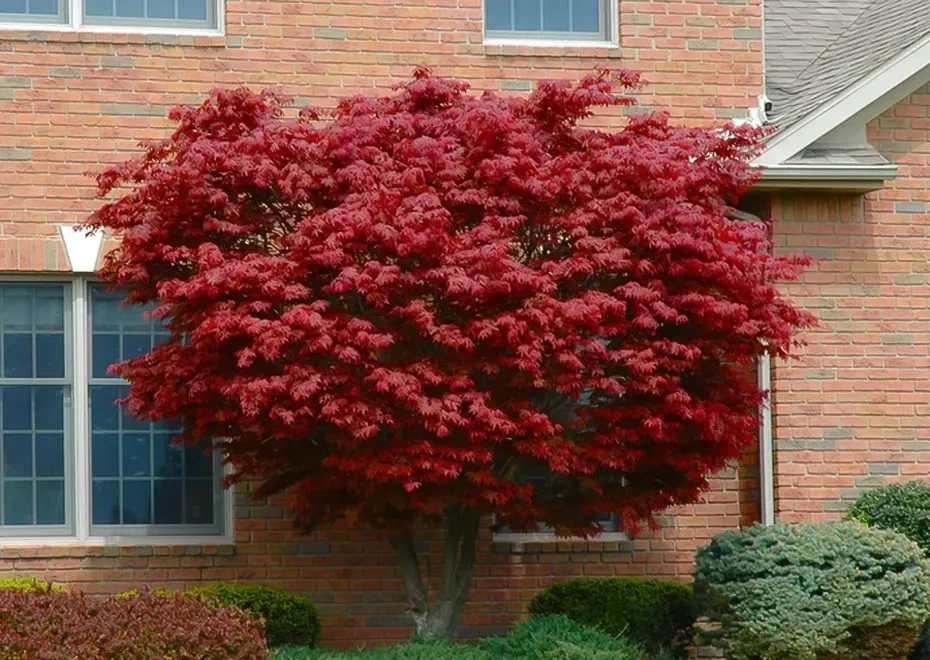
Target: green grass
x,y
541,638
296,653
413,651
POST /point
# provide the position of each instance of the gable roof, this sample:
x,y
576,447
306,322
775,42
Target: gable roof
x,y
815,49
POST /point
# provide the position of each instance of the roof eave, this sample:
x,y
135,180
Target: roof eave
x,y
893,75
834,178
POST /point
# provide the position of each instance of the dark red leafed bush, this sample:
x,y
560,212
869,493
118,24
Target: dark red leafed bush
x,y
64,626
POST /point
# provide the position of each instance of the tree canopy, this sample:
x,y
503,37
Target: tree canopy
x,y
420,300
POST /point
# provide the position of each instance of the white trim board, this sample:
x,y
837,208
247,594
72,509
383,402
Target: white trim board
x,y
851,177
868,96
81,247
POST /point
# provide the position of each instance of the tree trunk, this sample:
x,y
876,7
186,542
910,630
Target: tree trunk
x,y
440,618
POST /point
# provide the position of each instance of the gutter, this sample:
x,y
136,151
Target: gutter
x,y
844,178
766,444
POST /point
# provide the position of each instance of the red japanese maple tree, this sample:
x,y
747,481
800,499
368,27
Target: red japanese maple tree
x,y
397,315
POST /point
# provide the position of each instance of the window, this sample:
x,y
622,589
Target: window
x,y
58,460
568,20
35,395
550,485
139,478
115,15
38,11
148,12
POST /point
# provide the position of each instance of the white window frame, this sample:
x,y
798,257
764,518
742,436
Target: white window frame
x,y
546,535
608,37
78,496
72,18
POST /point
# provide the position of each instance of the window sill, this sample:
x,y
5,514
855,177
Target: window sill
x,y
548,43
546,538
109,30
122,541
550,48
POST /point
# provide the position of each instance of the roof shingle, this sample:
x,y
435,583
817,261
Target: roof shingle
x,y
817,48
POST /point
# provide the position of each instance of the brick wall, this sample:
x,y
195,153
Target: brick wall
x,y
854,413
72,102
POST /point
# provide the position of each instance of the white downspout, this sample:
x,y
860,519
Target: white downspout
x,y
766,447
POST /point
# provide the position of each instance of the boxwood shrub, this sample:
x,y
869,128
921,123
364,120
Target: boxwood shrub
x,y
657,614
287,618
904,508
813,592
29,584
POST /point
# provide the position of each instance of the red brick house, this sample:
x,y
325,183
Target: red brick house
x,y
90,498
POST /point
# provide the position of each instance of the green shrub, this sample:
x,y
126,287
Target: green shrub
x,y
29,584
288,618
414,651
560,638
903,508
656,614
813,592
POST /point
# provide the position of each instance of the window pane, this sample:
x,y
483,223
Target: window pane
x,y
17,455
99,7
50,407
197,463
105,503
557,16
130,423
50,455
43,7
497,14
526,15
17,355
130,8
50,502
192,10
17,307
136,345
12,6
168,502
104,413
161,8
137,502
105,349
136,455
105,455
585,15
17,408
17,503
169,458
198,502
133,319
106,308
50,356
49,302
